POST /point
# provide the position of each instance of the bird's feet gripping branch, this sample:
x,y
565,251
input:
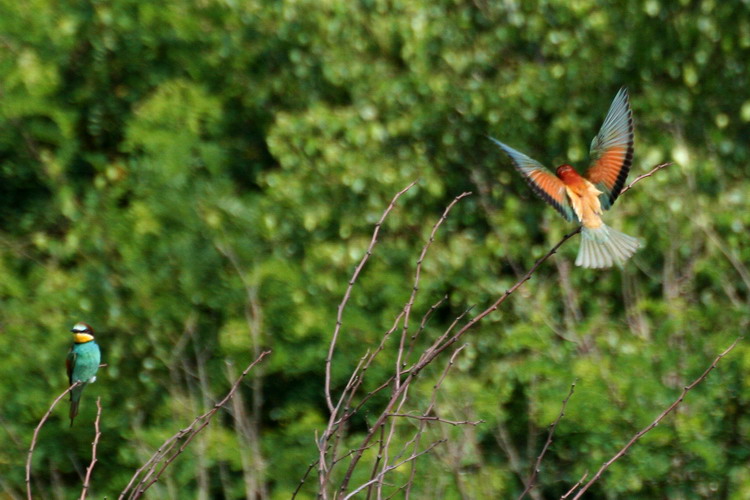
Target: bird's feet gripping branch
x,y
584,198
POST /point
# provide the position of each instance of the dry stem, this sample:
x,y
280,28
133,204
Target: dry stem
x,y
36,435
342,305
97,435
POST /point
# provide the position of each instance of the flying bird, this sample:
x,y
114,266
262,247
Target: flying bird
x,y
584,198
82,363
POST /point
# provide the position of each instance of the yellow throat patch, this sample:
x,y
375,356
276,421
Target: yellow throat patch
x,y
82,338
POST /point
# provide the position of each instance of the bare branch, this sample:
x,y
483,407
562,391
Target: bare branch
x,y
166,453
552,427
378,458
436,419
97,435
342,305
423,324
313,464
36,435
658,419
423,421
304,477
647,174
415,288
442,337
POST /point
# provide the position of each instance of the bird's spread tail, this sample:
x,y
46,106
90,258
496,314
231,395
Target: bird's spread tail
x,y
602,247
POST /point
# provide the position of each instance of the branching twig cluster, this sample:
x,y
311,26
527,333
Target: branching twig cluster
x,y
150,472
381,432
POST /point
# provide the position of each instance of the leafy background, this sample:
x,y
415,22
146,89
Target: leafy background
x,y
197,179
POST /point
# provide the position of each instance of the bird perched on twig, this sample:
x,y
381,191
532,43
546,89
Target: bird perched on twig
x,y
82,363
584,198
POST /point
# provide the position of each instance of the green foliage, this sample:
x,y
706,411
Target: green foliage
x,y
197,180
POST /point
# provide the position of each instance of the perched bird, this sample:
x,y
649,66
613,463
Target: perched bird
x,y
82,363
584,198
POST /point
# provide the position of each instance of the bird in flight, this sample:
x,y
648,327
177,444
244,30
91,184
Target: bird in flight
x,y
82,363
584,198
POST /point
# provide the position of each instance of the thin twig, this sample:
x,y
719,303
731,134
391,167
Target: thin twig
x,y
647,174
404,395
575,486
304,477
164,455
436,419
312,466
552,427
415,287
426,359
97,434
376,463
36,435
332,429
342,305
442,337
658,419
423,324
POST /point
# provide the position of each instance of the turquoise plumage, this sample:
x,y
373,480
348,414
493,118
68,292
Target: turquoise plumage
x,y
82,363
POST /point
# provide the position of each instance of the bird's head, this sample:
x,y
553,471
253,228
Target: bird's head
x,y
564,169
82,333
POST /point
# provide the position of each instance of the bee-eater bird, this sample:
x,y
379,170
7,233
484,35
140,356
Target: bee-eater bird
x,y
82,363
583,198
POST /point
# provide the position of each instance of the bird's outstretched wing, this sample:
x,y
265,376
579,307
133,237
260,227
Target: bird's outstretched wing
x,y
543,182
612,151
